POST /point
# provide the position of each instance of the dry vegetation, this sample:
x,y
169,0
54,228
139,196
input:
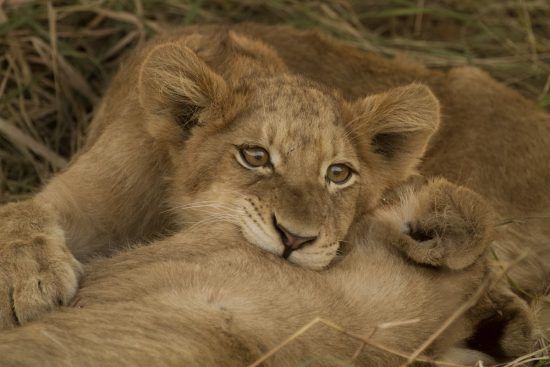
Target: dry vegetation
x,y
57,57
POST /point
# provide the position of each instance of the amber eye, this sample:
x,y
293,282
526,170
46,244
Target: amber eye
x,y
255,156
338,173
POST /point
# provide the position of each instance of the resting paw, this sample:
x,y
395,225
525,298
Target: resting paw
x,y
37,271
442,224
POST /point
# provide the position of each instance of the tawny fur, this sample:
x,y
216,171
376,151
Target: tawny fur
x,y
250,100
120,188
491,140
199,298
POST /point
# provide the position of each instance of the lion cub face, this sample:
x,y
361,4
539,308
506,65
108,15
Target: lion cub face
x,y
288,162
284,170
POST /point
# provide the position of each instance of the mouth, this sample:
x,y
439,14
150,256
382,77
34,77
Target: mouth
x,y
273,237
287,250
291,241
261,237
286,253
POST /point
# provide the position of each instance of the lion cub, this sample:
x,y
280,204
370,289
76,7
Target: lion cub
x,y
208,296
287,160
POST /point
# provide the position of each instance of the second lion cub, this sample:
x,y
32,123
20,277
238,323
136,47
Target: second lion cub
x,y
209,297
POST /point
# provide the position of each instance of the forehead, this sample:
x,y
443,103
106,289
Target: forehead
x,y
295,118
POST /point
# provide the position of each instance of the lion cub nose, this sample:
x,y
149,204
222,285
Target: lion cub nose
x,y
290,240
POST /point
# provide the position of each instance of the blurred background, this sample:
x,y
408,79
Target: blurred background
x,y
57,57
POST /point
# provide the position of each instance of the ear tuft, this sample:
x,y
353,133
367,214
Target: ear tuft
x,y
410,108
397,125
175,83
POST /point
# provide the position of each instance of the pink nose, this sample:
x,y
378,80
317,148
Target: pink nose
x,y
292,241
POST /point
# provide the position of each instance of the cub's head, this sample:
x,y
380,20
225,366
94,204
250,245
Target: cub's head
x,y
286,160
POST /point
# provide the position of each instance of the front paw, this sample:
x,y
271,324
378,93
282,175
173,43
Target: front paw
x,y
444,224
37,271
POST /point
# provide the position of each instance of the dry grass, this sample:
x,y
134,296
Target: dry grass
x,y
57,57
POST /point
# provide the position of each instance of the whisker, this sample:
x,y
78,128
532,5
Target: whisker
x,y
212,204
224,216
209,221
204,206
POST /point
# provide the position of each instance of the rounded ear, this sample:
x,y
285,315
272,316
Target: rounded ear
x,y
396,126
175,86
